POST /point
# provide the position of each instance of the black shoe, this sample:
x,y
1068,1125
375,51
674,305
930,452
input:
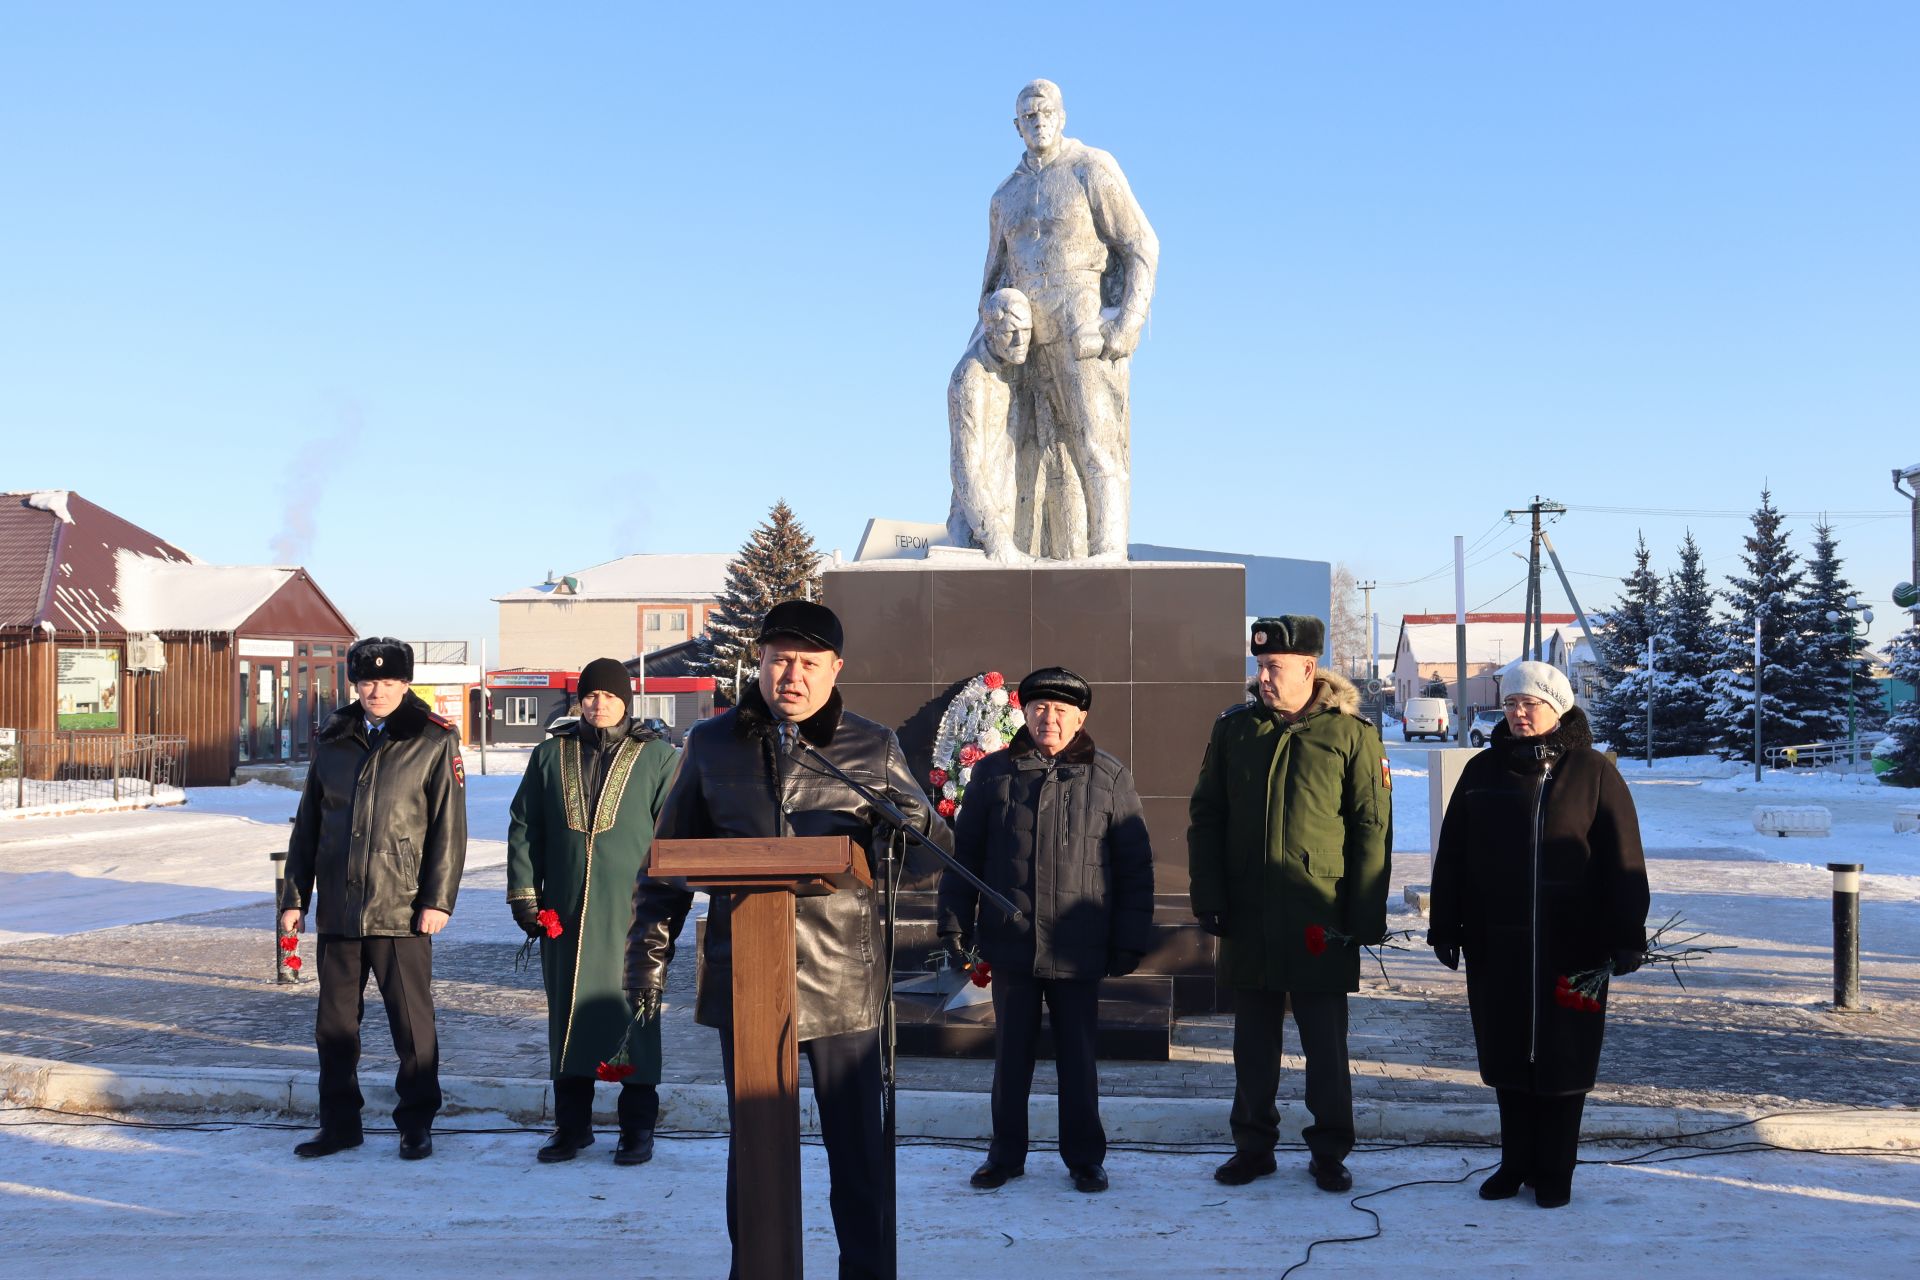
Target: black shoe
x,y
1330,1174
1244,1168
563,1146
328,1141
1553,1197
1505,1184
417,1145
636,1147
990,1175
1088,1178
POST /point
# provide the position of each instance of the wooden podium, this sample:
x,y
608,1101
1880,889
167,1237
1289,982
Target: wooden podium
x,y
763,876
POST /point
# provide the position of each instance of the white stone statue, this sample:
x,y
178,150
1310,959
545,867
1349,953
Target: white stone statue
x,y
1067,234
980,418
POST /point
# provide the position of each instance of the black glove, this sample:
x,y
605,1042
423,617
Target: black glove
x,y
956,949
646,1004
1625,962
1213,922
525,913
1121,962
1447,955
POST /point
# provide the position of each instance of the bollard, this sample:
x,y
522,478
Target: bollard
x,y
282,972
1846,934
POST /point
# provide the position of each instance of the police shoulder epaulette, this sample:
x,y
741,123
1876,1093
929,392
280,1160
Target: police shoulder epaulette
x,y
436,718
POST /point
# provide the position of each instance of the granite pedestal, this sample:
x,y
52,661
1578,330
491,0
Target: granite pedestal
x,y
1163,646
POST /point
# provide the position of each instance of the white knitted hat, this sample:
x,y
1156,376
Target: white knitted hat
x,y
1540,680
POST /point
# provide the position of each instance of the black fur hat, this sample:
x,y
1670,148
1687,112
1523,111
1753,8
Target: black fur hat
x,y
1056,684
811,623
1289,633
379,658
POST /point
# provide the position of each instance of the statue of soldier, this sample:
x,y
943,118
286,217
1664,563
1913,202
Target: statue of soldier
x,y
1065,230
980,413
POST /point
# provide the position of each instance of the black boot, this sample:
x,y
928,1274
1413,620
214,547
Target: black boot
x,y
639,1112
1516,1146
331,1138
572,1117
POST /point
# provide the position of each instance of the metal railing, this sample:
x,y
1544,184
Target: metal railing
x,y
1816,755
42,768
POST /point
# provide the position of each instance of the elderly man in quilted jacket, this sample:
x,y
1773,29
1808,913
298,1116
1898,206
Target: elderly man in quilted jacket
x,y
1054,823
1288,846
752,772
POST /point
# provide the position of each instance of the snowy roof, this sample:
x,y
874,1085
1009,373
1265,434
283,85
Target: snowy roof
x,y
1486,641
166,595
57,561
699,576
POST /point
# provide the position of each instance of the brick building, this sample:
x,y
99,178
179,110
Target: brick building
x,y
624,608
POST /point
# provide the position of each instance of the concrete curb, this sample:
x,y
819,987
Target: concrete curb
x,y
962,1117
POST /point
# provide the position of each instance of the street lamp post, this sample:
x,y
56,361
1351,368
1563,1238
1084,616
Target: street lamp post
x,y
1852,623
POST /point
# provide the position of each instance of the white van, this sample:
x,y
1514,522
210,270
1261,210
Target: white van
x,y
1425,718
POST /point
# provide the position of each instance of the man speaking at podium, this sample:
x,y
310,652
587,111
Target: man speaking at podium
x,y
751,773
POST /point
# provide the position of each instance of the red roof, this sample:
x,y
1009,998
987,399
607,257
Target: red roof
x,y
65,574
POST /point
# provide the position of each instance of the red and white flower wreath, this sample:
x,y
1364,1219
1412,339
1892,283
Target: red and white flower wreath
x,y
981,719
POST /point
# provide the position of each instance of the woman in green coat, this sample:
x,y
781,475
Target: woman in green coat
x,y
581,826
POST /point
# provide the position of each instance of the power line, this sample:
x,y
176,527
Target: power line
x,y
1725,514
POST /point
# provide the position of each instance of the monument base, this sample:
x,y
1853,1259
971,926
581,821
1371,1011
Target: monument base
x,y
1164,647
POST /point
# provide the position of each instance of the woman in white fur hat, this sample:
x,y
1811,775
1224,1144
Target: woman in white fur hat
x,y
1539,876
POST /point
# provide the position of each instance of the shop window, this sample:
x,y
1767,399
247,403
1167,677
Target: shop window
x,y
522,711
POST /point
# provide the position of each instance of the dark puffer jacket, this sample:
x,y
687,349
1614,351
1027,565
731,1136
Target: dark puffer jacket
x,y
1063,838
734,783
380,833
1539,875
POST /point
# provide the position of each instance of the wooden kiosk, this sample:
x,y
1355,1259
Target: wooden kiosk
x,y
764,876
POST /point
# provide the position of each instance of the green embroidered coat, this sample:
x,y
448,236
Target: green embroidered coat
x,y
586,871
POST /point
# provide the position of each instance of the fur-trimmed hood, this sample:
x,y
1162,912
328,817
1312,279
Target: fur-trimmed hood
x,y
1331,692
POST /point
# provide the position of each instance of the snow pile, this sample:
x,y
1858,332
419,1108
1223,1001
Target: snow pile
x,y
170,595
54,501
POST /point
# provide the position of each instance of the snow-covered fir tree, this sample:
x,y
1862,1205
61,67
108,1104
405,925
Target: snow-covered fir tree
x,y
1620,713
778,562
1903,726
1686,648
1837,649
1770,590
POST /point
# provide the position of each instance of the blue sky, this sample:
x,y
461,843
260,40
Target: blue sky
x,y
436,298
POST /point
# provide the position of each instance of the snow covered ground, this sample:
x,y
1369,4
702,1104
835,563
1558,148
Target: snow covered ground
x,y
86,1201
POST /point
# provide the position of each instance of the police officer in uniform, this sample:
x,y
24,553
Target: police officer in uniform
x,y
381,836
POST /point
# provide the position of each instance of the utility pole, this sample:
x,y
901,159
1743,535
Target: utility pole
x,y
1533,637
1366,620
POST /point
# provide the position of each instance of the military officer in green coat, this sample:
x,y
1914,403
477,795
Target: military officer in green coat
x,y
1288,847
579,832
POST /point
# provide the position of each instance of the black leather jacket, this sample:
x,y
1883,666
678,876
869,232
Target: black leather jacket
x,y
380,833
734,782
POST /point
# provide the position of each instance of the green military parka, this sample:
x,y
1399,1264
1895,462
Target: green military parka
x,y
1291,827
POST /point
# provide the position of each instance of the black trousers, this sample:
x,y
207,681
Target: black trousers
x,y
1073,1011
1321,1017
1540,1136
846,1092
573,1105
403,968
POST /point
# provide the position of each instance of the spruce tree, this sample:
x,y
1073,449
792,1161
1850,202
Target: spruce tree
x,y
1686,648
1837,648
1903,726
778,562
1620,713
1770,590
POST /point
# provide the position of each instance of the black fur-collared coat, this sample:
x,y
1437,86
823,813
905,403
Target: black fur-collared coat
x,y
1539,875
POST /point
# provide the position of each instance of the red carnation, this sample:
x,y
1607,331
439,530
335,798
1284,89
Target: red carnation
x,y
980,972
1013,698
293,962
289,943
971,755
549,919
994,680
1316,940
946,808
938,777
613,1072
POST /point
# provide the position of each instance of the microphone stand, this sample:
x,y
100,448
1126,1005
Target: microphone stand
x,y
901,825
